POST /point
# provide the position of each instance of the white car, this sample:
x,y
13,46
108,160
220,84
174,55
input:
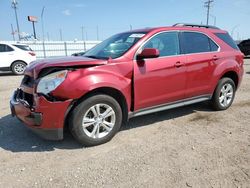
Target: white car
x,y
15,57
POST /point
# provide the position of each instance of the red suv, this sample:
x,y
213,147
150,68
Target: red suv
x,y
130,74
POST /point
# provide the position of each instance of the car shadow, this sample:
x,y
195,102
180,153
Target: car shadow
x,y
166,115
15,137
7,73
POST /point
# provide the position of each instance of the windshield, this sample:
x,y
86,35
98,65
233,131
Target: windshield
x,y
114,46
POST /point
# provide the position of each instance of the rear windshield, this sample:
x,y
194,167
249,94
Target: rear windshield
x,y
227,39
23,47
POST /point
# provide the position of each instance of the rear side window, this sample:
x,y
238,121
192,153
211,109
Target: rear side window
x,y
227,39
192,42
213,46
23,47
5,48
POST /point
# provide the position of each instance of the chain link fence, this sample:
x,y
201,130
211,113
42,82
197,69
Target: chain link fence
x,y
57,48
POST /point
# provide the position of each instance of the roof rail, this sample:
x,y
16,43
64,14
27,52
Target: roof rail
x,y
194,25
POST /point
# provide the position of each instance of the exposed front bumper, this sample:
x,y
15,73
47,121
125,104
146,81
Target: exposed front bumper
x,y
44,117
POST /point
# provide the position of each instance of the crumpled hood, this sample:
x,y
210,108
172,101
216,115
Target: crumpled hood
x,y
36,66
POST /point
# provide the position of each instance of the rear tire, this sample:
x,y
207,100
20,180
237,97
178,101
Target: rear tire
x,y
95,120
18,67
224,94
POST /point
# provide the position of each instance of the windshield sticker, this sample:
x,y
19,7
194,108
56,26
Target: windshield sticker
x,y
137,35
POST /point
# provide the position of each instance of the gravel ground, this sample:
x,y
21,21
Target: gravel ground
x,y
186,147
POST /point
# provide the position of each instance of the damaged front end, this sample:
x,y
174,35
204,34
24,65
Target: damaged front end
x,y
45,95
37,110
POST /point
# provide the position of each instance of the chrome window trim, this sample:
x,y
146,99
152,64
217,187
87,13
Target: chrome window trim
x,y
178,31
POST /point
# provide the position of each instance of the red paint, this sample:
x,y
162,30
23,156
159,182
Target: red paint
x,y
143,83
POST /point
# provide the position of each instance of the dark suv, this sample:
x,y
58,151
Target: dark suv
x,y
245,47
130,74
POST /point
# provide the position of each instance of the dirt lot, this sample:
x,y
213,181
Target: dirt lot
x,y
185,147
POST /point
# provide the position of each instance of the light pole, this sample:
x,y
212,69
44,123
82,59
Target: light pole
x,y
42,22
44,53
14,6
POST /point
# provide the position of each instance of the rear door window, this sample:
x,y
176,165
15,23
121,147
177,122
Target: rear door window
x,y
193,42
227,39
2,48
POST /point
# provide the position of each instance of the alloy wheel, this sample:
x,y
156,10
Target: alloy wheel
x,y
226,95
98,121
19,68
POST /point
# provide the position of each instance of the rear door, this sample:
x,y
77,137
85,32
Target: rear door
x,y
6,55
202,55
160,80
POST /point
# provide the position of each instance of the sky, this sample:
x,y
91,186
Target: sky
x,y
99,19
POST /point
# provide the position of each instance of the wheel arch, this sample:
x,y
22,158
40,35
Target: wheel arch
x,y
17,61
233,75
115,93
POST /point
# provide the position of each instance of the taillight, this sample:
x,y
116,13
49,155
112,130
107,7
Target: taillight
x,y
32,53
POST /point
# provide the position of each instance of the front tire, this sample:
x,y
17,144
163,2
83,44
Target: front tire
x,y
18,67
96,120
224,94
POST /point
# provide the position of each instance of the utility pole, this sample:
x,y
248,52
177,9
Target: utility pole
x,y
60,34
207,5
82,29
12,32
83,39
14,6
86,35
48,36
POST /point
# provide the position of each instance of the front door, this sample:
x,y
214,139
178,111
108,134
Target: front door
x,y
160,80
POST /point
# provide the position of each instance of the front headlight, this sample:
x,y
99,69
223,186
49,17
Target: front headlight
x,y
51,82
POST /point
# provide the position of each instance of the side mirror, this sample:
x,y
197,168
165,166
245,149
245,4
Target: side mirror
x,y
148,53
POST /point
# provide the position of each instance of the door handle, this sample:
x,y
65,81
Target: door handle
x,y
215,57
178,64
